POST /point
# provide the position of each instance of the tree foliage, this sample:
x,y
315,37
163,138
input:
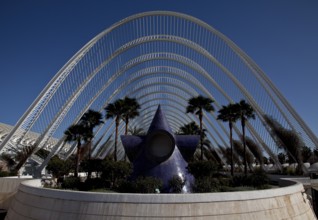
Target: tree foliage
x,y
23,155
15,161
245,112
306,154
136,131
92,165
229,114
91,119
115,110
203,172
8,160
130,110
79,134
202,168
282,158
114,172
288,140
245,155
197,105
42,153
255,150
176,183
147,185
189,129
59,168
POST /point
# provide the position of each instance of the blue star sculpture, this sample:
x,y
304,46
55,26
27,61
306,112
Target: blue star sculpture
x,y
161,153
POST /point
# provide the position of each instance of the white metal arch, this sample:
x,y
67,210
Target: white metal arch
x,y
194,57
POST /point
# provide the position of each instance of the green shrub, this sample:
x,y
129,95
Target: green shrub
x,y
201,169
258,179
176,184
235,189
93,165
126,187
94,183
115,172
291,171
239,180
71,183
206,184
223,181
147,185
8,173
42,153
58,167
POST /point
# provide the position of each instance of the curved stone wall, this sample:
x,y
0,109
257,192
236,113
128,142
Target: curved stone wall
x,y
33,202
8,187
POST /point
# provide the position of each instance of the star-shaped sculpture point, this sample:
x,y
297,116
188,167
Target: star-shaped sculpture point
x,y
160,153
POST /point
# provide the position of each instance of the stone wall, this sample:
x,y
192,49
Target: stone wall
x,y
33,202
8,187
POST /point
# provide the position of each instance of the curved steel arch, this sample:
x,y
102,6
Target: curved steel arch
x,y
124,85
154,107
201,87
196,119
183,60
202,51
109,58
157,100
140,60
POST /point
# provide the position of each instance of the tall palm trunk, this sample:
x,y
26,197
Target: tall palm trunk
x,y
244,145
201,134
231,145
89,149
116,137
126,132
77,158
126,125
89,159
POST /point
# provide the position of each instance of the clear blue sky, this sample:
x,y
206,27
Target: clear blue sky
x,y
37,37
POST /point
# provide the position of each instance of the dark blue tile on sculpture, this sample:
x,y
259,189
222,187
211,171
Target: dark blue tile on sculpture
x,y
156,154
159,122
187,145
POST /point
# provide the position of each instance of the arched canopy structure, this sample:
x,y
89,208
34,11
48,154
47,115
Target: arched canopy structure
x,y
158,57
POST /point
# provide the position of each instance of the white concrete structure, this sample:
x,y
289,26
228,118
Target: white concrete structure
x,y
34,202
20,141
157,57
8,187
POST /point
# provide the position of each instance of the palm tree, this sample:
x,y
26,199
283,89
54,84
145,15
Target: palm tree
x,y
229,114
306,154
228,155
130,110
8,160
22,156
196,105
90,120
115,110
245,112
190,129
136,131
289,140
77,133
239,149
282,157
193,129
255,150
